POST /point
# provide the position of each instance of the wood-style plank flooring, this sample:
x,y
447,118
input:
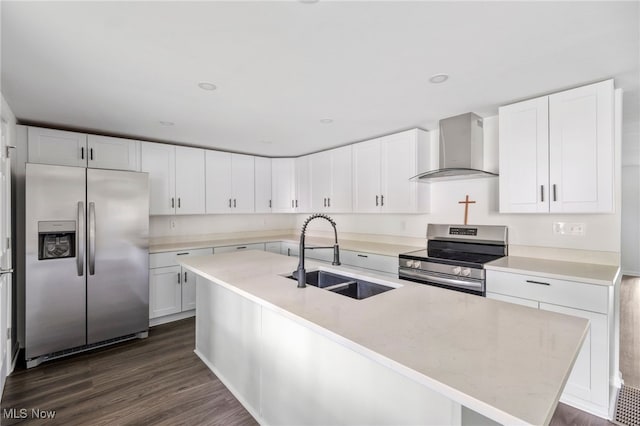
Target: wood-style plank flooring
x,y
630,331
156,381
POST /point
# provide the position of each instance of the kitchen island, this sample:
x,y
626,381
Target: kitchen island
x,y
413,355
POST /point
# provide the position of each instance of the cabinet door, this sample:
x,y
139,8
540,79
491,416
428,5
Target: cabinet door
x,y
589,379
165,293
366,177
341,192
113,153
57,147
159,161
262,185
398,165
581,149
321,175
524,157
188,290
190,181
242,182
283,185
218,178
303,184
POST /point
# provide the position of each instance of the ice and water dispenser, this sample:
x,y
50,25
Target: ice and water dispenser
x,y
56,239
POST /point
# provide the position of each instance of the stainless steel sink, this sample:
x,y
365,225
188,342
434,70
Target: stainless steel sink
x,y
346,286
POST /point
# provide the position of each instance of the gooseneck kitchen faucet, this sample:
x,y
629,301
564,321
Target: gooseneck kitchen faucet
x,y
300,273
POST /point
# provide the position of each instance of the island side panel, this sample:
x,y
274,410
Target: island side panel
x,y
228,340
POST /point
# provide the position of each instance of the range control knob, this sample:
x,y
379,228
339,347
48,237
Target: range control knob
x,y
417,264
456,270
465,272
409,263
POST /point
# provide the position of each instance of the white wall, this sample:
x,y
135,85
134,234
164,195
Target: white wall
x,y
168,226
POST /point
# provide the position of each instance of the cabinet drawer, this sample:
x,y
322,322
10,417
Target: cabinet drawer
x,y
170,258
226,249
515,300
370,261
573,294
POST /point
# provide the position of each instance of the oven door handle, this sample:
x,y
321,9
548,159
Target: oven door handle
x,y
438,280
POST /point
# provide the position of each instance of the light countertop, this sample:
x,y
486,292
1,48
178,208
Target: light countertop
x,y
505,361
588,273
384,249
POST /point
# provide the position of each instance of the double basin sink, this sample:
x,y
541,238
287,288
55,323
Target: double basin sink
x,y
347,286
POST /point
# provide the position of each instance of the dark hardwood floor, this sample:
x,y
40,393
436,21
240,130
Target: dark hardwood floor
x,y
156,381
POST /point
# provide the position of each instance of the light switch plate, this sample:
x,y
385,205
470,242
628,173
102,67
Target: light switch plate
x,y
570,228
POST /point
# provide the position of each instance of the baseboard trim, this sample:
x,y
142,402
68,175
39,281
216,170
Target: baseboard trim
x,y
596,410
171,318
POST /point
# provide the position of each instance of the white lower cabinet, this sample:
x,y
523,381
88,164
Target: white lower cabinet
x,y
588,387
172,289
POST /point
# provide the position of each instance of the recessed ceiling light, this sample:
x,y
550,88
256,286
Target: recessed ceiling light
x,y
204,85
438,78
167,123
308,1
326,121
267,142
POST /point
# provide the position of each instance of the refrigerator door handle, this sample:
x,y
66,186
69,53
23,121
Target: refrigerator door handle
x,y
80,240
92,238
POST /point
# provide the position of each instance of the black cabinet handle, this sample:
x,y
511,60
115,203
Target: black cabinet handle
x,y
91,154
537,282
241,247
182,254
173,202
234,203
362,255
376,201
296,203
325,202
185,276
178,202
542,193
329,202
179,278
382,200
82,153
269,203
555,195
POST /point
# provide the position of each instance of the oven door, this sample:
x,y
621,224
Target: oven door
x,y
466,285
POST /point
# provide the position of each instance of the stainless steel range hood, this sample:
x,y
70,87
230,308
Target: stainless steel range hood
x,y
461,150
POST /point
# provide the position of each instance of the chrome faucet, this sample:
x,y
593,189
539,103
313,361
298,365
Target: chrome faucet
x,y
300,273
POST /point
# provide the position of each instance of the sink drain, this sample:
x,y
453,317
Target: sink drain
x,y
628,406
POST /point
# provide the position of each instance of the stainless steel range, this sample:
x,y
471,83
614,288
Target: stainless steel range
x,y
455,256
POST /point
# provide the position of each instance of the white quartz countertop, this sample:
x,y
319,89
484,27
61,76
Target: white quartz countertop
x,y
505,361
384,249
588,273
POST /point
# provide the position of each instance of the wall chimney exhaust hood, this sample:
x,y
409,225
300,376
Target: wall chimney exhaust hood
x,y
461,150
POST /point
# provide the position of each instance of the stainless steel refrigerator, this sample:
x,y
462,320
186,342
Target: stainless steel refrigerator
x,y
87,261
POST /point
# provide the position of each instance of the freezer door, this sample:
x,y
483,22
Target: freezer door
x,y
55,291
117,254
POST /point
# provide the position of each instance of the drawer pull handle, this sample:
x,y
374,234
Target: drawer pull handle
x,y
182,254
362,255
241,247
537,282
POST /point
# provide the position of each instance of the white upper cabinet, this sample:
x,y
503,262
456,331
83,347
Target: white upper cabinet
x,y
382,168
113,153
283,185
190,180
48,146
262,184
177,178
302,200
230,182
331,180
557,152
57,147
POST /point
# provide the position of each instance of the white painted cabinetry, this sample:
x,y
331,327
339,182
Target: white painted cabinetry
x,y
302,201
113,153
382,168
62,148
262,185
588,386
241,247
172,289
557,152
331,180
283,185
177,178
230,182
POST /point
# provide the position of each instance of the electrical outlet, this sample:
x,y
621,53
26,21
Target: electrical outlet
x,y
566,228
172,224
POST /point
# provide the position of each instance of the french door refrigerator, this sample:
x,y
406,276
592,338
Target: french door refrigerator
x,y
87,261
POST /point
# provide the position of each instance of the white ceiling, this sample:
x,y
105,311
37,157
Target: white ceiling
x,y
280,67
